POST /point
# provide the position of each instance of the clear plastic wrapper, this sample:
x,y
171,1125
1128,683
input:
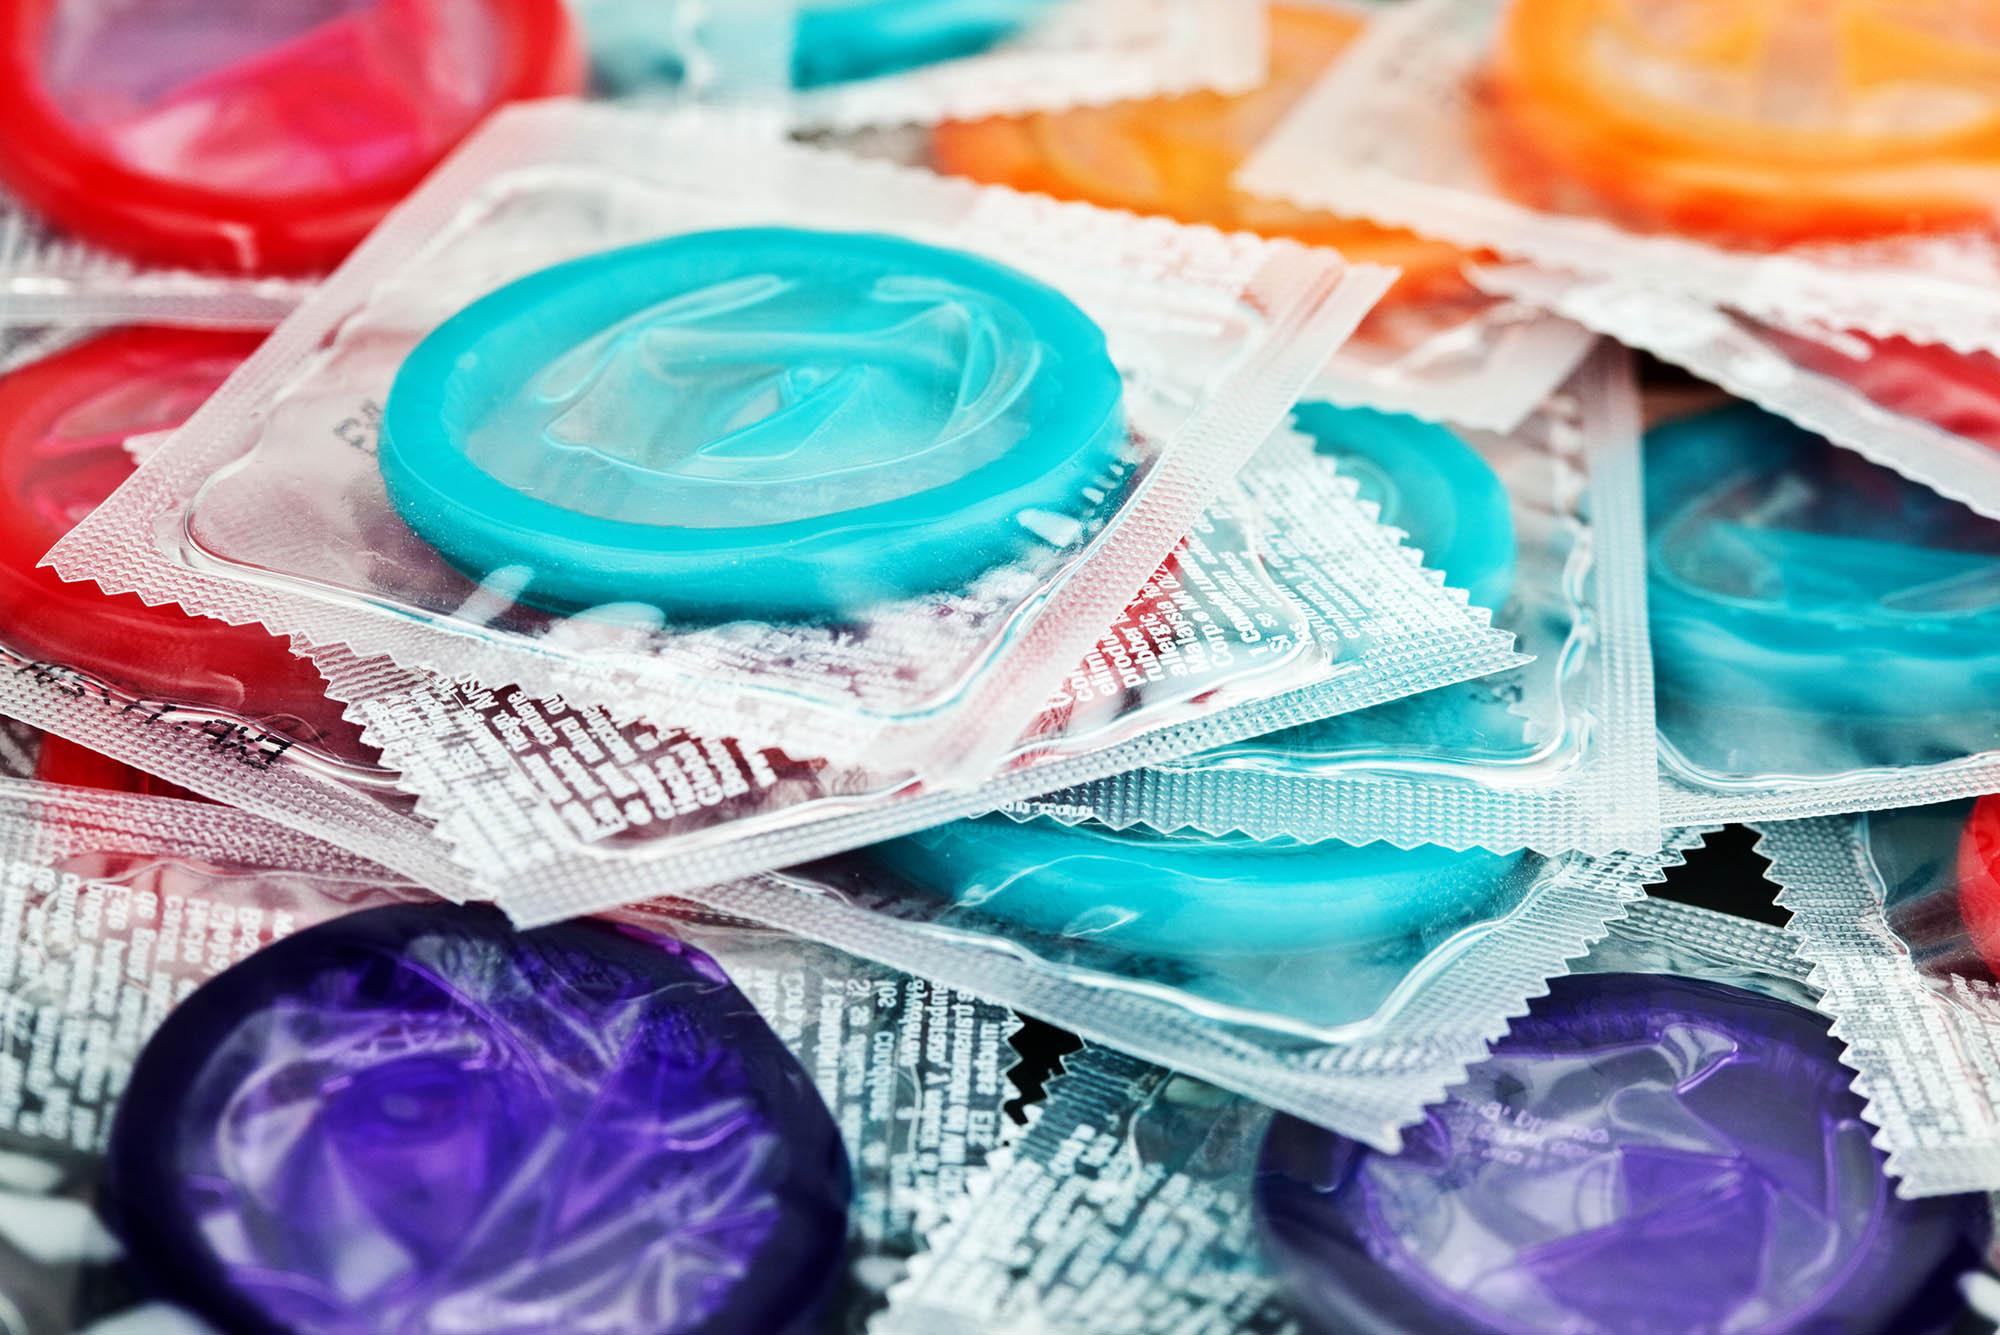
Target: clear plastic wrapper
x,y
415,1070
1646,1167
1928,412
1347,985
1287,602
1436,347
1899,914
845,64
899,608
1555,755
1823,165
1822,628
228,711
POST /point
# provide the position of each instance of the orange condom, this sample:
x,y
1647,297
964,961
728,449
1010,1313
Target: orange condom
x,y
1763,122
1175,156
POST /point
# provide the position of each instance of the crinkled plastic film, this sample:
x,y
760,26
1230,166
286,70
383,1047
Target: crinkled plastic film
x,y
1882,910
1162,1233
47,278
113,908
1213,336
1552,756
1063,52
1287,602
1414,155
1771,553
1367,1078
1930,413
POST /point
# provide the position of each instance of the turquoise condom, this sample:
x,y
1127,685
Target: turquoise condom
x,y
762,423
1190,894
1787,573
1431,485
839,40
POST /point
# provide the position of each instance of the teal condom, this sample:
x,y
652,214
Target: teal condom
x,y
840,40
1190,894
1431,485
761,423
1786,573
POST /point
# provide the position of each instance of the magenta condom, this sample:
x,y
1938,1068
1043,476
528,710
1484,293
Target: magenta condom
x,y
414,1119
1641,1155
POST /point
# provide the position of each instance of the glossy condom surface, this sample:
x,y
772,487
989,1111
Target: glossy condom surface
x,y
1642,1154
1760,122
64,421
1787,571
255,136
1175,156
840,40
415,1119
1192,894
762,423
1979,879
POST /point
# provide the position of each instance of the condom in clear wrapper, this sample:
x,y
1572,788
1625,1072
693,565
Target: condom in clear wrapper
x,y
1022,421
1435,347
1629,1122
1928,412
1287,601
1822,627
300,1094
1828,166
1557,755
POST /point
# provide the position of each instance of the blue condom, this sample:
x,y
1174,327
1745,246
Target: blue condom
x,y
1191,894
1430,484
761,423
1785,572
840,40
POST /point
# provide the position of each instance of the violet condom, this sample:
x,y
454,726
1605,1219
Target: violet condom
x,y
415,1119
1641,1155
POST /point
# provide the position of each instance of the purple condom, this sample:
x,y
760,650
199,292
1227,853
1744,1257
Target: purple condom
x,y
1642,1155
414,1119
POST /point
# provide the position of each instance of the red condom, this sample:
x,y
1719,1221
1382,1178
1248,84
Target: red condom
x,y
255,136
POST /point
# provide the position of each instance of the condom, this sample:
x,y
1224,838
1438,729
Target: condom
x,y
1190,894
1787,574
64,421
1641,1153
415,1118
1762,122
1175,156
840,40
1431,485
764,423
1979,879
255,136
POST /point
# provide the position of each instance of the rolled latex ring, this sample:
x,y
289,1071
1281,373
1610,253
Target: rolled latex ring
x,y
1190,894
64,421
1862,612
255,136
1641,1152
762,423
1890,122
574,1128
1175,156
